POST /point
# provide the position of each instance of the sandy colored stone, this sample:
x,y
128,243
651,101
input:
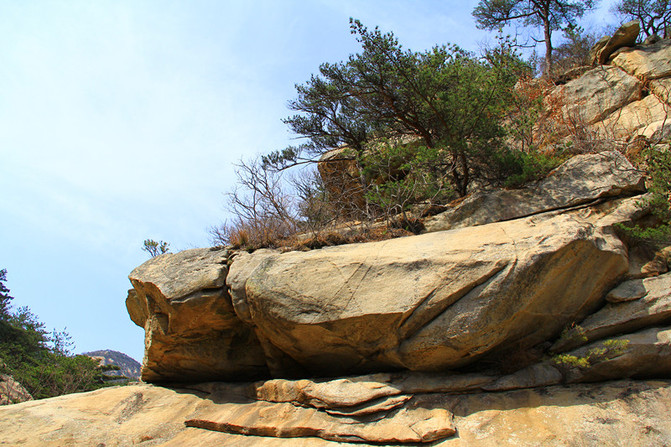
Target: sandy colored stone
x,y
284,420
580,180
615,318
647,117
645,353
595,95
624,36
646,62
538,375
613,413
11,391
434,301
621,413
117,416
323,394
191,330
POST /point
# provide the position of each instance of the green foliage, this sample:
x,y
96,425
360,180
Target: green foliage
x,y
658,162
550,15
519,168
608,350
39,360
5,297
654,15
155,248
445,96
400,175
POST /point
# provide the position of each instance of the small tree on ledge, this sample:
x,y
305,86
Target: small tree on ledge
x,y
155,248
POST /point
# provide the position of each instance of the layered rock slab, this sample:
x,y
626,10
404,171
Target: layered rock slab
x,y
430,302
580,180
615,413
639,303
594,95
191,330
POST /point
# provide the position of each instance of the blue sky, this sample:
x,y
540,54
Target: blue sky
x,y
120,121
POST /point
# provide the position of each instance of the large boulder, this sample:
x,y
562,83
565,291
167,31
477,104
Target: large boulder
x,y
647,62
625,36
191,330
593,96
580,180
430,302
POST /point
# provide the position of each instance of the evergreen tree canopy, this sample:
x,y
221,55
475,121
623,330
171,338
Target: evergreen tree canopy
x,y
550,15
445,96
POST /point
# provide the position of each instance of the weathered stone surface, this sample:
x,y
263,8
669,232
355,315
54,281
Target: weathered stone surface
x,y
661,88
541,374
646,353
595,95
625,36
614,413
627,291
11,391
647,117
191,330
434,301
339,171
284,420
646,62
323,394
652,309
580,180
593,55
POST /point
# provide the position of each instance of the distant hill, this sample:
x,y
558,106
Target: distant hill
x,y
129,367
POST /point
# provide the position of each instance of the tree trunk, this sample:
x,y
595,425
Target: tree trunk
x,y
548,48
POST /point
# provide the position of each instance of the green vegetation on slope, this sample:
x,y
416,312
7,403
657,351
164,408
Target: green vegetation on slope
x,y
39,360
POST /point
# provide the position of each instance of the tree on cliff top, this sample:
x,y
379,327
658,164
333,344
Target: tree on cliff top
x,y
548,14
445,96
654,15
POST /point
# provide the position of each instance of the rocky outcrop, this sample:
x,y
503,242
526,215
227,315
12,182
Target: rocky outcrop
x,y
615,413
638,304
594,95
618,102
434,301
11,391
625,36
129,368
647,62
581,180
340,173
191,329
497,281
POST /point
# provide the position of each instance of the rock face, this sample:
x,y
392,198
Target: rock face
x,y
434,301
11,391
226,415
616,104
625,36
191,329
496,282
595,95
581,180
